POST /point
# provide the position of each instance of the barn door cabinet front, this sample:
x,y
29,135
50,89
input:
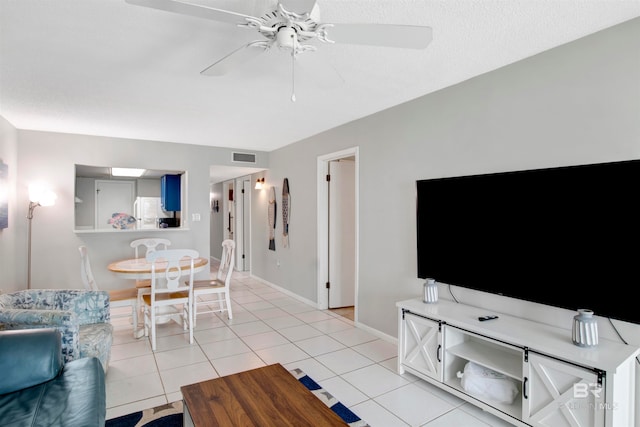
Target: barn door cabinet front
x,y
558,394
421,346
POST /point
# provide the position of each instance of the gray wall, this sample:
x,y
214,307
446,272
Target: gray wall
x,y
10,235
576,104
51,157
217,223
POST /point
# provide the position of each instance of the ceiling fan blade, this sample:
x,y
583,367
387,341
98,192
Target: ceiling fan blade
x,y
298,6
235,59
195,10
406,36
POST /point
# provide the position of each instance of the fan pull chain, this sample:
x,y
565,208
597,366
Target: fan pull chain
x,y
293,76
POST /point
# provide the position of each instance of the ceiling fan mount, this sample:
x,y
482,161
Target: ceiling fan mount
x,y
288,30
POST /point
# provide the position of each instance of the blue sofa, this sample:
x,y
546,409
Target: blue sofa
x,y
38,389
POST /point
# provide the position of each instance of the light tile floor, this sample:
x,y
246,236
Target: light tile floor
x,y
268,326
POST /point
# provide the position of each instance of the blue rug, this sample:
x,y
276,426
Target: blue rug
x,y
171,415
162,416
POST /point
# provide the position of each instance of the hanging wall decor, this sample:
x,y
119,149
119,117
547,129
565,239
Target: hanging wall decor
x,y
4,195
286,212
271,215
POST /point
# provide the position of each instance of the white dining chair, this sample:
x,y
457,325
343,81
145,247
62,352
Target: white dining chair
x,y
150,244
117,298
170,297
143,247
218,286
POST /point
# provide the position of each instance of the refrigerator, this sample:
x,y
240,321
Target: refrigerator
x,y
147,211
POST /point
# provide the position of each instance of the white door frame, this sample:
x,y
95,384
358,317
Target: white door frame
x,y
227,206
243,222
323,220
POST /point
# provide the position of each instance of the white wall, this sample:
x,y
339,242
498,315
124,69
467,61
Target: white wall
x,y
51,157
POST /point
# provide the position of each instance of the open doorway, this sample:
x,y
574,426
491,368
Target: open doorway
x,y
230,195
236,219
338,231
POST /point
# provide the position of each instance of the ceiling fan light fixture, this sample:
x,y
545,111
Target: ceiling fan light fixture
x,y
287,38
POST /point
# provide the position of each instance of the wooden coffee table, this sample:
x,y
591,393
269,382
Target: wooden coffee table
x,y
262,397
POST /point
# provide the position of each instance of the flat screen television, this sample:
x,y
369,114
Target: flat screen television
x,y
566,236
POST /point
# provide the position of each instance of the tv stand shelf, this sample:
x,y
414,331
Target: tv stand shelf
x,y
558,383
488,356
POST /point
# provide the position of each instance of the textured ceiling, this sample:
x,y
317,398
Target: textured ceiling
x,y
105,67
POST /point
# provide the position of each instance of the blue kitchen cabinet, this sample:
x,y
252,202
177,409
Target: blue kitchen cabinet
x,y
170,192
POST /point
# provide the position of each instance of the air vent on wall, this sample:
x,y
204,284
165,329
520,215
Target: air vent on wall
x,y
244,157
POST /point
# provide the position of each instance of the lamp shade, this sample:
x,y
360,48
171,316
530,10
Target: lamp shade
x,y
42,195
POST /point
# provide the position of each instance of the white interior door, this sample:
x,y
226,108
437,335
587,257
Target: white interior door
x,y
342,233
113,197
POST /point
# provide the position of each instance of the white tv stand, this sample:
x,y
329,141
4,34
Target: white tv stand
x,y
559,383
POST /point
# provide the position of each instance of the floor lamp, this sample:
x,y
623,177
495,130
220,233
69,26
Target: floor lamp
x,y
39,195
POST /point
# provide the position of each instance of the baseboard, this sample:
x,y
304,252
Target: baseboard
x,y
285,291
379,334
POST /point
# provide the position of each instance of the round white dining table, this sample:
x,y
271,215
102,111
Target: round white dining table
x,y
140,268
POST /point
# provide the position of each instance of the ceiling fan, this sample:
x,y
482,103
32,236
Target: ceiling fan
x,y
291,25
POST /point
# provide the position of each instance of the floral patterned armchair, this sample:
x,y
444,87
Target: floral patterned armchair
x,y
81,316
